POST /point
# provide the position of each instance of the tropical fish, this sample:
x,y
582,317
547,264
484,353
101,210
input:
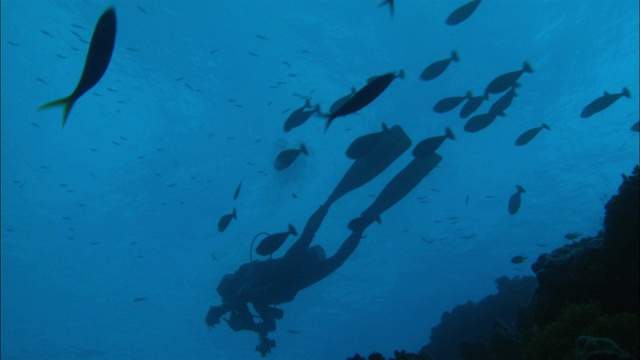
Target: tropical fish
x,y
338,103
506,81
365,95
225,220
237,192
388,2
437,68
96,63
364,144
300,116
572,236
287,157
480,122
504,101
528,135
518,259
514,200
273,242
462,13
450,103
472,104
430,145
603,102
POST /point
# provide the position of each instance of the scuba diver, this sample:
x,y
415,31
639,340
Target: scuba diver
x,y
267,283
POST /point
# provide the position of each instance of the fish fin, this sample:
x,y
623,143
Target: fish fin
x,y
454,56
378,219
353,90
384,127
450,133
626,93
234,214
329,121
303,149
606,93
486,95
520,189
526,67
401,74
307,103
292,230
67,102
317,109
546,126
469,94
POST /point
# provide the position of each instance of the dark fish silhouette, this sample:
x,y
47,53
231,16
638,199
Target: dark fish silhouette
x,y
273,242
462,13
401,184
528,135
603,102
634,127
365,144
500,105
365,95
437,68
225,220
300,116
338,103
471,106
506,81
390,3
479,122
96,63
237,192
514,201
518,259
450,103
430,145
572,236
138,299
287,157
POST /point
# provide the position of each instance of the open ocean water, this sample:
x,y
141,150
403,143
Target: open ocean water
x,y
110,245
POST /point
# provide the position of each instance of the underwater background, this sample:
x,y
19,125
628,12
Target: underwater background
x,y
123,203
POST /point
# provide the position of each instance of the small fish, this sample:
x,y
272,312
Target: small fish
x,y
363,145
96,63
139,299
262,37
225,220
528,135
505,81
292,331
293,195
500,105
132,49
41,80
572,236
365,95
479,122
390,3
142,9
237,192
46,33
518,259
213,51
514,200
273,242
462,13
341,101
286,157
466,201
76,34
437,68
13,43
300,116
472,104
603,102
450,103
78,26
430,145
61,56
253,54
286,63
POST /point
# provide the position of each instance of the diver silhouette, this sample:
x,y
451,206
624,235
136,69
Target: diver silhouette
x,y
266,283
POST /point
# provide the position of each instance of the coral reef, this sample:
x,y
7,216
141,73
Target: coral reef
x,y
590,348
469,326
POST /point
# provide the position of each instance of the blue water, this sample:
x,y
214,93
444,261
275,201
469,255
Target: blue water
x,y
123,202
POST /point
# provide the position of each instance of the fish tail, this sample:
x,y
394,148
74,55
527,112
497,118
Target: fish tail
x,y
546,126
520,189
401,74
329,121
307,103
67,102
454,56
526,67
292,230
303,149
626,93
449,133
235,215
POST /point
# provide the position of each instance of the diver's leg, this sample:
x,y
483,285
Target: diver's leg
x,y
313,224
